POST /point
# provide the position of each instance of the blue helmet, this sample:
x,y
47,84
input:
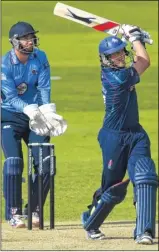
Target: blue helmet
x,y
21,29
111,45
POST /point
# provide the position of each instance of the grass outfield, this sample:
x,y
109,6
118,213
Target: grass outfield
x,y
72,50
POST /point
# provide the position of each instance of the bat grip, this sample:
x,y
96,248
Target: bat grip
x,y
145,40
148,41
145,34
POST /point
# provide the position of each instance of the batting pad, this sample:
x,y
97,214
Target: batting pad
x,y
12,186
146,187
112,196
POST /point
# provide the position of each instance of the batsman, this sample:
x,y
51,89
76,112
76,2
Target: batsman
x,y
124,143
27,114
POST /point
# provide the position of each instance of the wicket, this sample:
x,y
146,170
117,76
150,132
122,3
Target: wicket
x,y
40,184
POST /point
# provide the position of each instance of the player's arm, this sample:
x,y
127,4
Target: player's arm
x,y
55,122
44,82
10,95
142,59
9,91
134,35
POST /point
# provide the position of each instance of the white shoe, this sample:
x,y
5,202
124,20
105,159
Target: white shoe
x,y
17,222
35,219
145,239
95,234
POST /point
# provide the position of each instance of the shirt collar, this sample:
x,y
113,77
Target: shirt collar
x,y
14,58
32,55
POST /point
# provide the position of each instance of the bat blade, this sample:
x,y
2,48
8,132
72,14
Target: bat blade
x,y
91,20
86,18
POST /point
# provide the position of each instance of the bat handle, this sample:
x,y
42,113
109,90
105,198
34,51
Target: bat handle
x,y
145,40
148,41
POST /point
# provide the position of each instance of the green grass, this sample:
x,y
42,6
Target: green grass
x,y
72,50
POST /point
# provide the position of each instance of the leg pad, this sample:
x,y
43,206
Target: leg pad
x,y
146,186
12,186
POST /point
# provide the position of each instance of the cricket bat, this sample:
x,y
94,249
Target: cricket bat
x,y
91,20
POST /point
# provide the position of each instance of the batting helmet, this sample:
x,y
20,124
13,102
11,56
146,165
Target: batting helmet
x,y
111,45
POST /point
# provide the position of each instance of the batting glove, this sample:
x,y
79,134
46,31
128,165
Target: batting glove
x,y
131,33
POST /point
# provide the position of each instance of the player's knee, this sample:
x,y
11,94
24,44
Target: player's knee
x,y
145,171
13,166
117,192
99,212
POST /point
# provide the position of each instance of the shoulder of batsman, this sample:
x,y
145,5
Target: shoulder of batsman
x,y
114,76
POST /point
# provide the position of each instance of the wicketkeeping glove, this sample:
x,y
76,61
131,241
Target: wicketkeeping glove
x,y
57,122
37,122
39,127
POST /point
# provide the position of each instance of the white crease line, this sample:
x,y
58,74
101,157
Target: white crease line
x,y
56,78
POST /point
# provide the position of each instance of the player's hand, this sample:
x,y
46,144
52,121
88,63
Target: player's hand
x,y
37,121
59,127
39,127
56,123
131,33
32,111
146,37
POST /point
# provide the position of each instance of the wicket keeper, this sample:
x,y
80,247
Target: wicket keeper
x,y
27,115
